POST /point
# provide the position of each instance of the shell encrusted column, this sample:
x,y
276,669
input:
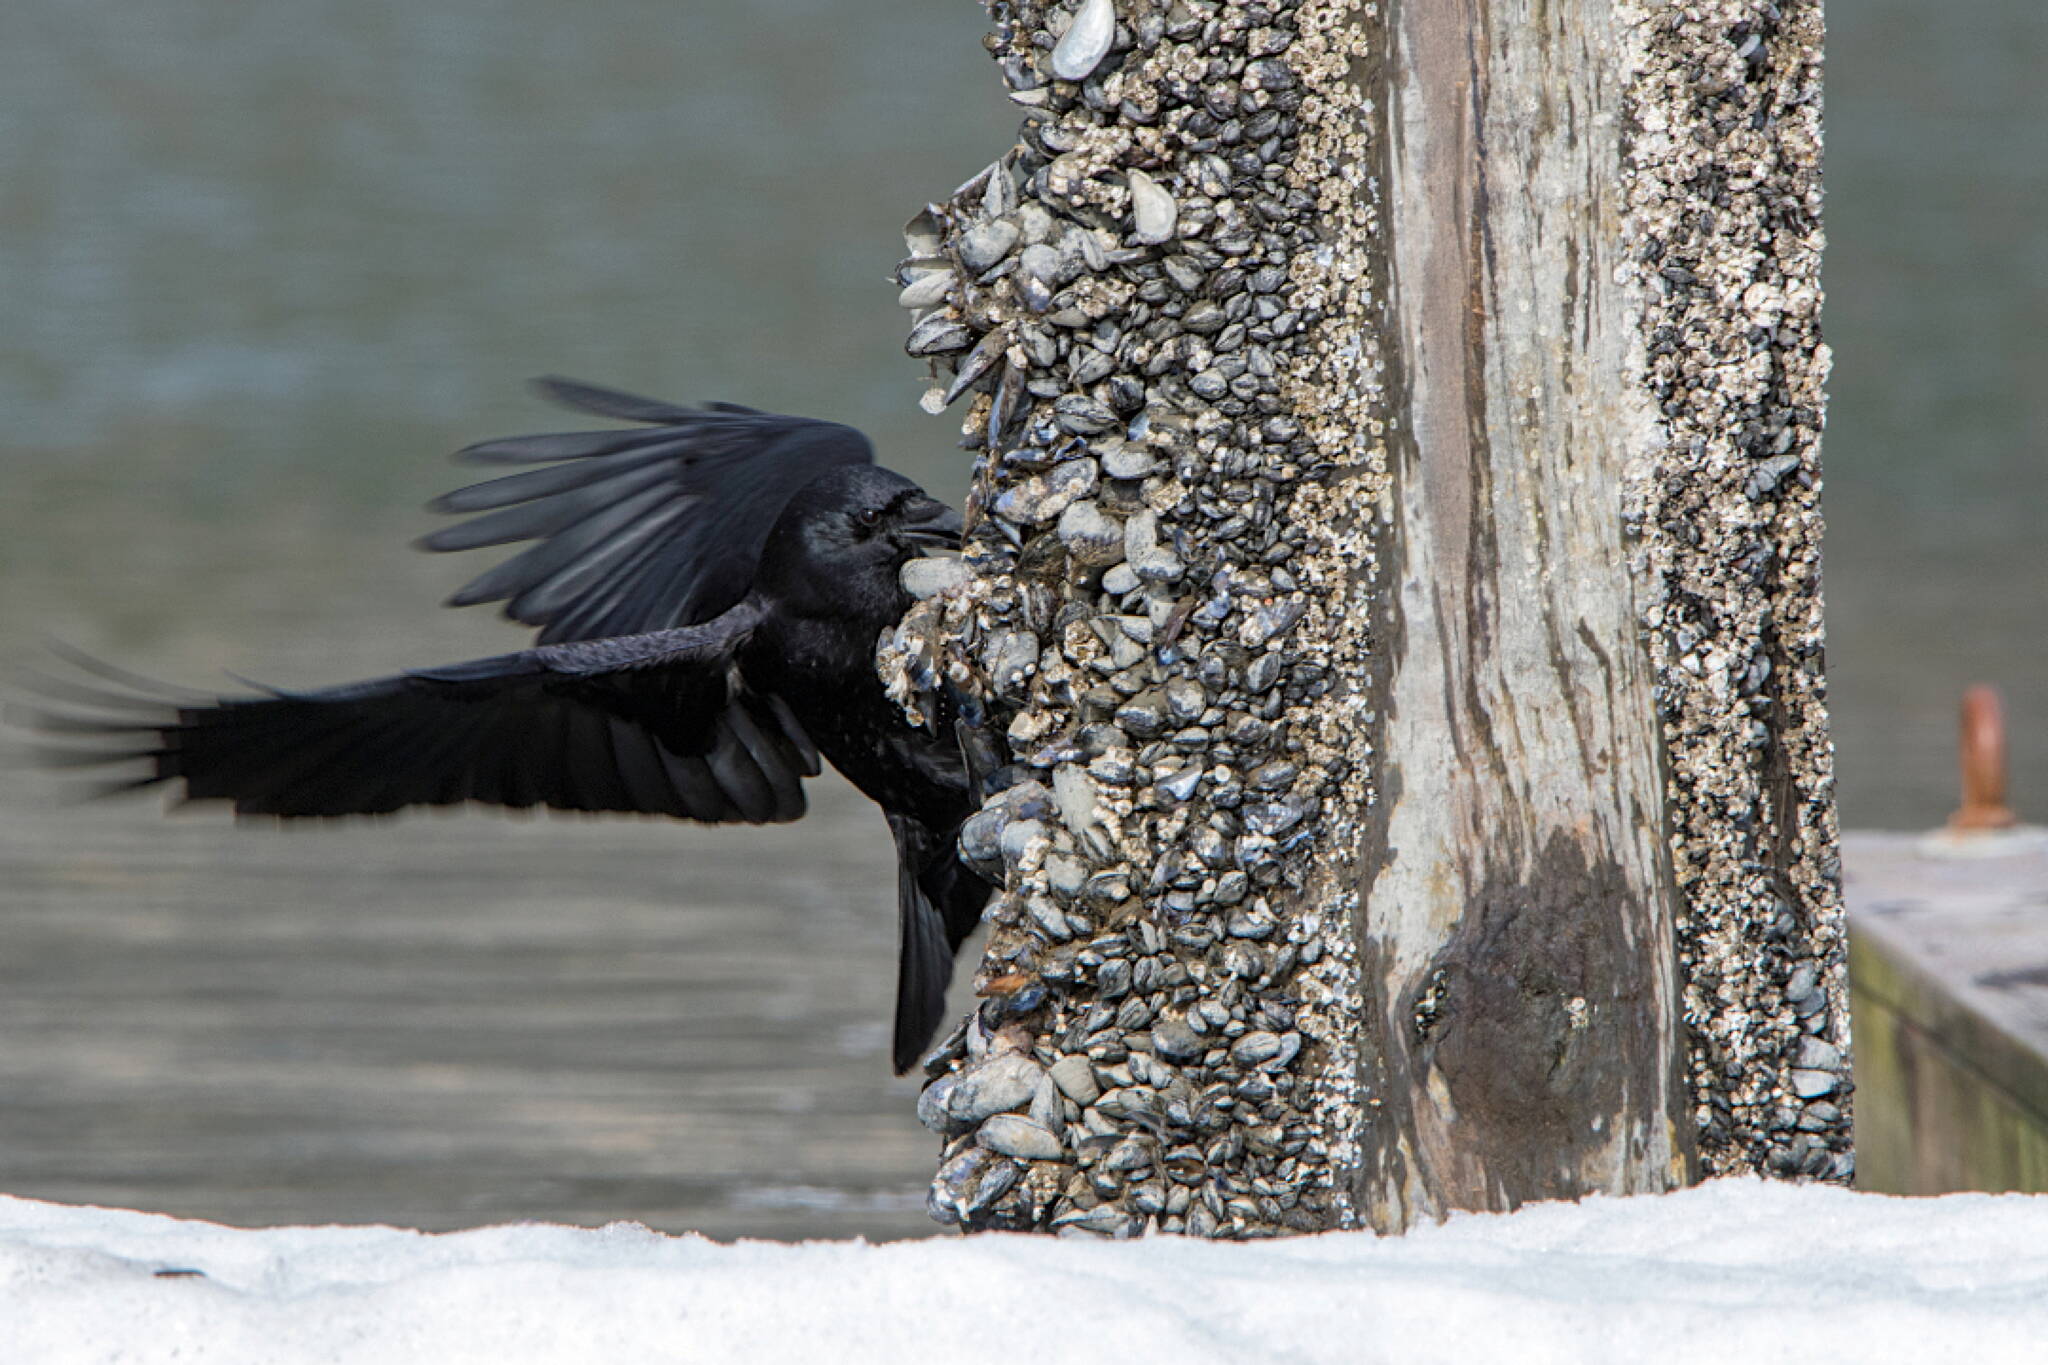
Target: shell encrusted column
x,y
1157,302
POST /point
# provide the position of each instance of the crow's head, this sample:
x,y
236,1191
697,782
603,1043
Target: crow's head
x,y
844,536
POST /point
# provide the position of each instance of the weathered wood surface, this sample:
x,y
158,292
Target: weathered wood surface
x,y
1520,970
445,1021
1949,975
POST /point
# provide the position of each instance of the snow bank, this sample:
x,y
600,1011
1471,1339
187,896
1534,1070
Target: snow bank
x,y
1736,1270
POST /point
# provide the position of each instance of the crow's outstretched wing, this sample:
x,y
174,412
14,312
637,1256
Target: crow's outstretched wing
x,y
636,529
655,723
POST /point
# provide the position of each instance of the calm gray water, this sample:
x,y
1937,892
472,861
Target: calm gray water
x,y
1937,441
261,265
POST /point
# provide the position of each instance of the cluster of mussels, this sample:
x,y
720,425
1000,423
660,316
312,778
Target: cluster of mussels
x,y
1725,193
1119,645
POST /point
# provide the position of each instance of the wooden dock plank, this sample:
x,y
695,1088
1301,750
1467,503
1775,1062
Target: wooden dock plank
x,y
1949,997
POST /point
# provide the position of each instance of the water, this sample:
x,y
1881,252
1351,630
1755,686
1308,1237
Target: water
x,y
1937,441
451,1020
261,265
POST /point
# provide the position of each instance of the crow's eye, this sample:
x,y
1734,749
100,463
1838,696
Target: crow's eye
x,y
869,517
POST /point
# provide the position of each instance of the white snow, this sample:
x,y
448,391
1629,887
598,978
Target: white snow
x,y
1745,1271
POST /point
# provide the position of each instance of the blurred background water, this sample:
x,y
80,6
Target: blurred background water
x,y
261,265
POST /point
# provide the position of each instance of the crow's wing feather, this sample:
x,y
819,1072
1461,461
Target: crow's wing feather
x,y
938,905
659,723
924,957
640,529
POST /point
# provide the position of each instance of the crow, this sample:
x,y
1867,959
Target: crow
x,y
709,587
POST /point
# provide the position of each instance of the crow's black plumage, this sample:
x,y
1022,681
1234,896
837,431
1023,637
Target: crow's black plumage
x,y
709,587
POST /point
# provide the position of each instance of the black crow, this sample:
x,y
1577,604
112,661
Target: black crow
x,y
709,586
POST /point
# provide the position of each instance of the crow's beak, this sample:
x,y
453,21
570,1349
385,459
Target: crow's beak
x,y
930,524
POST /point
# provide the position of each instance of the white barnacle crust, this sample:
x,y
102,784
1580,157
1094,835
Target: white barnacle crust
x,y
1723,177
